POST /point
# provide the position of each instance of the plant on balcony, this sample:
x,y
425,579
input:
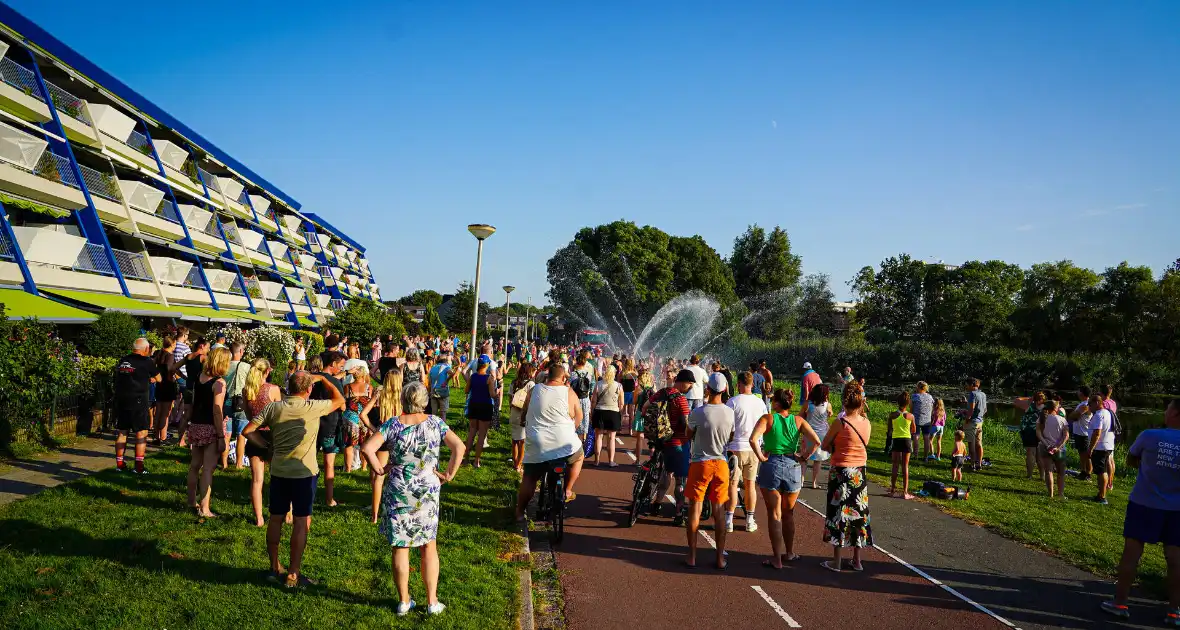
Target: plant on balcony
x,y
145,149
48,169
73,109
36,366
111,335
255,292
190,169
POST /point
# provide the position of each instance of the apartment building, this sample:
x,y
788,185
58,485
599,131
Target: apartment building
x,y
108,202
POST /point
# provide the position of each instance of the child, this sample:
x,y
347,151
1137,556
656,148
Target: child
x,y
521,388
902,428
958,456
939,426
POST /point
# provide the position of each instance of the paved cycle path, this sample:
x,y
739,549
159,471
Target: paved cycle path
x,y
614,576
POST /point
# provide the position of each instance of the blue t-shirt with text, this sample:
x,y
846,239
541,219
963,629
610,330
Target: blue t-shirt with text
x,y
1158,483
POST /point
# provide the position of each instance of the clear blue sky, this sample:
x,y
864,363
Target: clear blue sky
x,y
1024,131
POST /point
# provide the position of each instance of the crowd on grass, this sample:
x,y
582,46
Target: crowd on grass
x,y
722,436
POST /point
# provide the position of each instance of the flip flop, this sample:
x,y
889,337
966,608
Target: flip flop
x,y
827,564
691,566
847,565
770,565
791,558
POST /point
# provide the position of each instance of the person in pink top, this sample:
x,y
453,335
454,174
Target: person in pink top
x,y
811,378
848,492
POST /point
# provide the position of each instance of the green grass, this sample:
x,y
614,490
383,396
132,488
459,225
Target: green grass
x,y
1078,530
114,550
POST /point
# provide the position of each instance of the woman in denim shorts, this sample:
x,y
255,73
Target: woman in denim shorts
x,y
775,441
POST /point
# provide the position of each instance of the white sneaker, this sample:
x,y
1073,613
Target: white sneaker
x,y
436,608
404,608
751,526
729,526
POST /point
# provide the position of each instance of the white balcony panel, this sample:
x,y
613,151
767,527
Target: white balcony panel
x,y
228,185
352,255
141,289
351,279
270,290
279,308
171,154
141,196
284,266
322,300
259,203
220,279
239,210
239,251
112,122
311,274
207,242
159,226
307,261
298,238
170,270
291,221
21,182
3,49
112,212
251,239
197,219
295,294
81,280
267,224
373,288
230,300
188,295
20,148
277,249
341,250
301,308
49,246
336,272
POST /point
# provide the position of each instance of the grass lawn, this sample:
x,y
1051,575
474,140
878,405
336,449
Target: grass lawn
x,y
114,550
1078,530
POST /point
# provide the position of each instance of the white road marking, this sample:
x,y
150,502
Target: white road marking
x,y
632,456
778,609
709,538
618,440
980,607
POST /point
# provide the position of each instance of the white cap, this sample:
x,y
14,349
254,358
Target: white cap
x,y
807,365
717,383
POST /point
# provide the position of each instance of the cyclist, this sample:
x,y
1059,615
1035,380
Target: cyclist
x,y
676,447
552,413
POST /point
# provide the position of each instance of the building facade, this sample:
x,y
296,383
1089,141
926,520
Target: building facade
x,y
108,202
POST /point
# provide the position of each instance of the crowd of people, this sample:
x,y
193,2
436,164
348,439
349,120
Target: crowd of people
x,y
721,435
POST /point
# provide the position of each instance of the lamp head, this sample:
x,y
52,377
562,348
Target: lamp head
x,y
509,289
481,230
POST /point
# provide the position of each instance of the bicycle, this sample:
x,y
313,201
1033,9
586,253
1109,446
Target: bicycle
x,y
551,501
647,483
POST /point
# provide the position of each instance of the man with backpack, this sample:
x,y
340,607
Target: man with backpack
x,y
671,404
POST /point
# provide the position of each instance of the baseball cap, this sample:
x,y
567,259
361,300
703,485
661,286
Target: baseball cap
x,y
807,365
686,376
484,359
717,383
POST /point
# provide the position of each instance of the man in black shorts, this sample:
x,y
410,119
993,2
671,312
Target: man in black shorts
x,y
134,375
329,442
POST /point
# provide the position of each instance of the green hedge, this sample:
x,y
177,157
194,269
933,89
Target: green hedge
x,y
998,368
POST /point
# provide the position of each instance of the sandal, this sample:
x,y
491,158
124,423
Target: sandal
x,y
847,565
827,564
769,564
791,558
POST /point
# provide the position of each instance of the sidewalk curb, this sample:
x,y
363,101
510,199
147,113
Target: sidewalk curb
x,y
526,621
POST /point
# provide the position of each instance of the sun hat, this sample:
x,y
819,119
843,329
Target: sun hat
x,y
353,364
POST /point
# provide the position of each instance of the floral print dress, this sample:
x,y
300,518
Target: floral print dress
x,y
847,518
410,497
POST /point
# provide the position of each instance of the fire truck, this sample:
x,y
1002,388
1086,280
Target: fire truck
x,y
593,339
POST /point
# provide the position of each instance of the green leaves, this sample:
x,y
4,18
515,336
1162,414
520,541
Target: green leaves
x,y
111,335
365,320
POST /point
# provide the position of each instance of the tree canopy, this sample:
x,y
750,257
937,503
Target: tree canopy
x,y
422,297
364,320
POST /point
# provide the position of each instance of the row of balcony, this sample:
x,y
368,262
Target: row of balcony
x,y
58,257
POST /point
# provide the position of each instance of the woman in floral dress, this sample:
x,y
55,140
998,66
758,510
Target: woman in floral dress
x,y
848,522
411,494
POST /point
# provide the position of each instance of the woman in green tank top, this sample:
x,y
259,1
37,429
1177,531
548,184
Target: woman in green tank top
x,y
775,441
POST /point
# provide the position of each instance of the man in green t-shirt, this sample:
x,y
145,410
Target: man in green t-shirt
x,y
294,424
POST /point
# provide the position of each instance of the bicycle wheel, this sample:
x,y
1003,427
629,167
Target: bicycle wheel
x,y
640,495
557,513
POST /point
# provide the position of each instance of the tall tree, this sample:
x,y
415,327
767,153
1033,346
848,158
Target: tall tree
x,y
1049,300
422,297
699,267
892,297
762,262
817,305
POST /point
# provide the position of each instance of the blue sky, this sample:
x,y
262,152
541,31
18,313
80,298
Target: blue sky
x,y
1024,131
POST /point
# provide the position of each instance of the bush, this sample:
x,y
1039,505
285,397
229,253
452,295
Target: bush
x,y
36,366
276,344
95,377
999,368
365,320
111,335
313,342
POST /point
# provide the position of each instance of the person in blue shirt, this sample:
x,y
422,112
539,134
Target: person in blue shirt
x,y
440,387
1153,512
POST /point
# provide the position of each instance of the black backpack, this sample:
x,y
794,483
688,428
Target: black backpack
x,y
581,385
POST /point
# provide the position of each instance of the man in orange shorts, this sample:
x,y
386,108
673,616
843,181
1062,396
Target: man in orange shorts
x,y
711,427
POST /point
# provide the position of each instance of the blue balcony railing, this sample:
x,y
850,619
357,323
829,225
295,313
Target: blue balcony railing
x,y
19,77
132,265
67,103
336,304
6,251
93,258
193,280
235,287
56,168
100,183
140,143
207,177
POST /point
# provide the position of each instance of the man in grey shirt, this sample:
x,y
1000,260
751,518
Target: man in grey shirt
x,y
922,406
973,422
710,427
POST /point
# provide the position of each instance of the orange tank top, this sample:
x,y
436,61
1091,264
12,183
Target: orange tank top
x,y
848,450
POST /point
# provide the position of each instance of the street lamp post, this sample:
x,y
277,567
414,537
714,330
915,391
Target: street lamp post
x,y
526,321
508,289
481,232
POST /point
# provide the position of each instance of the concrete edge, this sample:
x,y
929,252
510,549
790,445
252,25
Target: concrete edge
x,y
526,619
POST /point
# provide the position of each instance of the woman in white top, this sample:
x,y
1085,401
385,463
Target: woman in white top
x,y
607,418
819,411
551,416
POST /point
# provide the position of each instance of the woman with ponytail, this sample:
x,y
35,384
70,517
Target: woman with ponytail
x,y
388,402
256,395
